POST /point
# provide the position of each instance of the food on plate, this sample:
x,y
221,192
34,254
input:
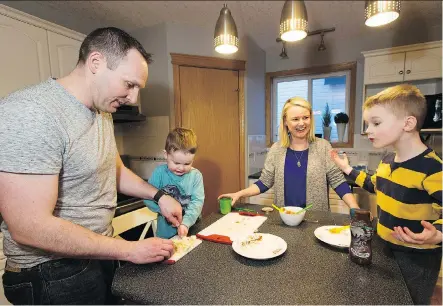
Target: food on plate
x,y
252,239
338,230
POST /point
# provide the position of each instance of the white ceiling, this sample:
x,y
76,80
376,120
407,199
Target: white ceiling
x,y
258,19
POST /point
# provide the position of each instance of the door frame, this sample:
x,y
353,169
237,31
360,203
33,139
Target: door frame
x,y
178,60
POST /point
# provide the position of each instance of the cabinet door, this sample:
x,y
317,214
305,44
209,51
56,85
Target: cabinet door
x,y
63,52
384,68
24,56
423,64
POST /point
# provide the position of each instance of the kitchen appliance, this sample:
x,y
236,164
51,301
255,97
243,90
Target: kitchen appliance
x,y
128,113
434,112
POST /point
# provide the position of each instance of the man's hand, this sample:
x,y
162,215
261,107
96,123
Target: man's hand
x,y
182,230
150,250
429,235
171,210
342,163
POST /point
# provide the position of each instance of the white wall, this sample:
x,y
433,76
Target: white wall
x,y
155,96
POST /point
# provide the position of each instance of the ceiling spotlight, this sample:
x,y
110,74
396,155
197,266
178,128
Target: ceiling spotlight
x,y
283,53
378,13
293,21
225,34
322,46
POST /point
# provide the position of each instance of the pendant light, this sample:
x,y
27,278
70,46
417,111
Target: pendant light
x,y
293,21
225,34
378,13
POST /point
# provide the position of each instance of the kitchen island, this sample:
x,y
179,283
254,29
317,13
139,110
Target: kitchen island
x,y
309,272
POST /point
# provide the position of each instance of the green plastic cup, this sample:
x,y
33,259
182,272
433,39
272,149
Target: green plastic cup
x,y
225,205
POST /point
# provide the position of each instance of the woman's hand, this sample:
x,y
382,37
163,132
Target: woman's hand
x,y
182,230
342,163
233,196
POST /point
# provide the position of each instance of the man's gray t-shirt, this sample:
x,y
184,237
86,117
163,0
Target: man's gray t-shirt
x,y
46,130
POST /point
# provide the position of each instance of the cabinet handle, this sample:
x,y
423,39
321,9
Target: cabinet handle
x,y
408,71
400,72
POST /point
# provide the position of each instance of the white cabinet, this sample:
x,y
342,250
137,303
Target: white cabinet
x,y
24,56
63,54
423,64
406,63
32,50
384,68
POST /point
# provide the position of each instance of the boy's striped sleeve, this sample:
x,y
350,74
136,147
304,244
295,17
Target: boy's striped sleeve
x,y
364,180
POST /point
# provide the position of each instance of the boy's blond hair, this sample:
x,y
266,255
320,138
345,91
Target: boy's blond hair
x,y
181,139
285,141
404,99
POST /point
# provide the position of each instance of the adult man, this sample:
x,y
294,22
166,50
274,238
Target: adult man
x,y
59,173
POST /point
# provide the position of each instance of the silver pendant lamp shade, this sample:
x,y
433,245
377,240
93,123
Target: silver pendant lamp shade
x,y
378,13
225,34
293,21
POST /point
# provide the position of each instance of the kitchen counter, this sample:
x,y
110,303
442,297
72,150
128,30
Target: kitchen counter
x,y
309,272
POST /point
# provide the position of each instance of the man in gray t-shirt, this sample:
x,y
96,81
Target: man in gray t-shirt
x,y
59,174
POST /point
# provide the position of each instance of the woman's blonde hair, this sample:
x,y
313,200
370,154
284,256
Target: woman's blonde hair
x,y
285,140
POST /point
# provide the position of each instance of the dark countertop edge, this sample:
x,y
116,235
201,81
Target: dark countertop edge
x,y
127,208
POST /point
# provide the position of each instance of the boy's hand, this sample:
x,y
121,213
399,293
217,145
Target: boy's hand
x,y
182,230
430,234
342,163
171,210
233,196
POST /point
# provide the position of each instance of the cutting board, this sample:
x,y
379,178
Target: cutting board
x,y
182,246
229,227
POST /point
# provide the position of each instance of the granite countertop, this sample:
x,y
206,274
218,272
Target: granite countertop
x,y
309,272
348,179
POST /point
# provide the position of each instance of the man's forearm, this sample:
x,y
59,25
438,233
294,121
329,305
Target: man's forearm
x,y
131,184
59,236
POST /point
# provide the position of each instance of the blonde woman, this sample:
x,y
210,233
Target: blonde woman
x,y
299,166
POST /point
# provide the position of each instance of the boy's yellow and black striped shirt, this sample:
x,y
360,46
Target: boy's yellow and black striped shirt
x,y
407,193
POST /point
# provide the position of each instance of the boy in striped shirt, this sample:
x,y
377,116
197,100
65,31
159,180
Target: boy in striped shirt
x,y
408,185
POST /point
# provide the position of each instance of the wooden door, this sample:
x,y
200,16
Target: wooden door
x,y
24,57
423,64
63,52
384,68
209,104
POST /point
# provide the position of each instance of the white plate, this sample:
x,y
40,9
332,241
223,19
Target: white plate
x,y
260,246
340,240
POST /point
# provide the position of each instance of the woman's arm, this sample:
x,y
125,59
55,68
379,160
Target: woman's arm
x,y
247,192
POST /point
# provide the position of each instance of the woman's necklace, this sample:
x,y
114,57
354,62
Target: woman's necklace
x,y
298,159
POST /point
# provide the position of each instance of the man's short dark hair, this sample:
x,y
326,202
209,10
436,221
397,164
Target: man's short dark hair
x,y
113,43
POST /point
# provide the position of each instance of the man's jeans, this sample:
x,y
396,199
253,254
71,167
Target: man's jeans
x,y
62,281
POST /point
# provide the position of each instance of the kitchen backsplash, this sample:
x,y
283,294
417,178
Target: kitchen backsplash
x,y
257,152
142,138
143,166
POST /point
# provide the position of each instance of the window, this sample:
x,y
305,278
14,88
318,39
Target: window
x,y
318,85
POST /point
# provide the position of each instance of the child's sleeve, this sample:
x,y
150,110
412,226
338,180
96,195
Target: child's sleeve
x,y
156,181
433,185
364,180
197,199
